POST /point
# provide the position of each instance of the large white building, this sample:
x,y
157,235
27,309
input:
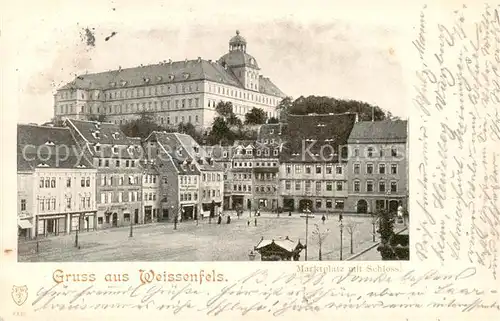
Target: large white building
x,y
172,92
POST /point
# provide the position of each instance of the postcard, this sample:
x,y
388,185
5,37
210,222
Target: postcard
x,y
250,160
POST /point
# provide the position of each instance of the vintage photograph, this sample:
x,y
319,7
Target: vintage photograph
x,y
250,142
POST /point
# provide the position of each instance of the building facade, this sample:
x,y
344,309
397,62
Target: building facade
x,y
266,167
313,162
56,186
117,159
378,166
191,181
172,92
150,191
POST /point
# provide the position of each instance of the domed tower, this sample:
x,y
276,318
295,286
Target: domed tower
x,y
244,66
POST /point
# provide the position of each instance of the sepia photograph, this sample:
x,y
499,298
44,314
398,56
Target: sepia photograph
x,y
255,146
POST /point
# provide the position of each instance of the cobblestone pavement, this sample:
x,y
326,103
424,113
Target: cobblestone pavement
x,y
202,242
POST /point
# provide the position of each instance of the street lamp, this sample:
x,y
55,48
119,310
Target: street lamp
x,y
307,211
131,234
341,238
374,221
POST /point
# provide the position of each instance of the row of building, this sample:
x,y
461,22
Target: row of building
x,y
89,175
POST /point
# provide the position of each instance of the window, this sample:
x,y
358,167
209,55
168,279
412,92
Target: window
x,y
297,169
127,164
110,197
117,164
308,169
23,205
339,186
318,204
287,185
99,162
53,203
41,183
329,169
132,163
381,186
339,204
308,186
369,168
356,186
99,220
68,182
369,186
329,186
394,168
297,185
53,182
83,182
328,203
381,153
356,152
338,169
370,152
394,152
110,181
106,163
394,187
356,169
288,169
103,198
381,168
318,169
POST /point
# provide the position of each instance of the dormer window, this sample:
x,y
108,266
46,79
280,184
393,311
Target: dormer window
x,y
97,126
186,75
196,149
81,166
225,154
42,165
115,149
130,149
115,135
171,77
249,152
146,80
97,147
96,134
49,143
123,83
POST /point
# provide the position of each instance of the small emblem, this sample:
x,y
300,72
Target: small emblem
x,y
19,294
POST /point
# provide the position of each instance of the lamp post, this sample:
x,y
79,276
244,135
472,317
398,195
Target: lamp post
x,y
307,211
131,234
341,237
374,221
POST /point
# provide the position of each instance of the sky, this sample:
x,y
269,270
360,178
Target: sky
x,y
342,54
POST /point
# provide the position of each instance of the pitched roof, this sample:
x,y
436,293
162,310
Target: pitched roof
x,y
284,243
48,147
165,73
107,136
394,131
316,138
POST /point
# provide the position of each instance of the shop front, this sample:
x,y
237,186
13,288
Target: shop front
x,y
24,227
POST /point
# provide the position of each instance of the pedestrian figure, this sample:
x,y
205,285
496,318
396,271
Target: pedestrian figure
x,y
220,219
228,219
290,213
258,213
255,221
323,218
340,217
248,222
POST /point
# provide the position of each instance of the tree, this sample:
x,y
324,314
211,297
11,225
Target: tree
x,y
142,127
273,120
351,229
320,237
256,116
224,109
233,120
284,107
220,132
324,105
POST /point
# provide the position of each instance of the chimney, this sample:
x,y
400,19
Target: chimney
x,y
199,59
170,61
